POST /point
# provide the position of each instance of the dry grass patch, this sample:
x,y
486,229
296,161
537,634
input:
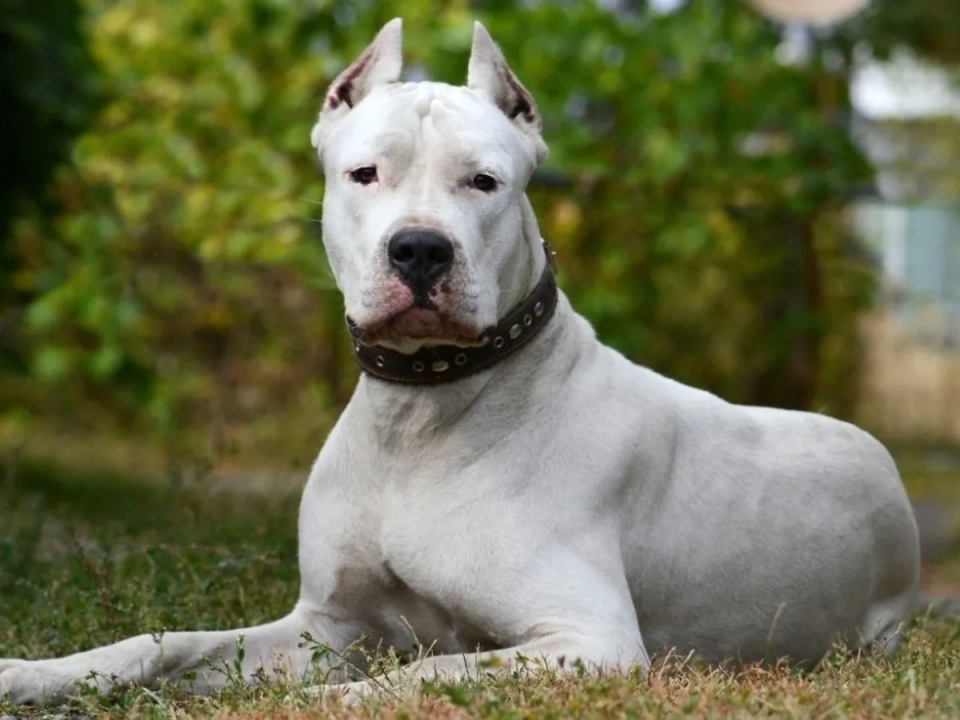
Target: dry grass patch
x,y
923,680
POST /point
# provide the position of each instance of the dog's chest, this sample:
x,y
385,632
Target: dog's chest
x,y
450,567
415,579
413,617
425,550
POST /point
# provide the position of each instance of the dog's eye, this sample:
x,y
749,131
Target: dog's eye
x,y
484,183
364,175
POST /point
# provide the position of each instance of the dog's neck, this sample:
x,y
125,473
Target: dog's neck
x,y
405,417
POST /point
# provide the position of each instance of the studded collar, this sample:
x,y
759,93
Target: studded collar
x,y
439,364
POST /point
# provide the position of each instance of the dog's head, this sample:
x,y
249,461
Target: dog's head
x,y
425,221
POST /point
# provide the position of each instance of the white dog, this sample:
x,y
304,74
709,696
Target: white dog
x,y
501,483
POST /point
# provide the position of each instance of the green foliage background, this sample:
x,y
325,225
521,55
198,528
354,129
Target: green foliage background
x,y
182,294
48,95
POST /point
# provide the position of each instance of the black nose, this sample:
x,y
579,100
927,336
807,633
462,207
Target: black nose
x,y
420,256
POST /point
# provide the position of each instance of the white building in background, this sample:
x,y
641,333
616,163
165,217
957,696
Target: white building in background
x,y
917,241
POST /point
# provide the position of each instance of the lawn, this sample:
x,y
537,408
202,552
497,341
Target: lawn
x,y
90,560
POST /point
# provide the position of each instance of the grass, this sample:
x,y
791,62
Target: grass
x,y
94,559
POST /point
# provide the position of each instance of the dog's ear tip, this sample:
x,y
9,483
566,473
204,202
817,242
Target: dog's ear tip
x,y
481,36
390,37
392,27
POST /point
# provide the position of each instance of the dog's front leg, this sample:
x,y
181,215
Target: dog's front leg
x,y
561,652
201,660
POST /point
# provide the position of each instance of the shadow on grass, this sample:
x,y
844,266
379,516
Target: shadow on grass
x,y
131,504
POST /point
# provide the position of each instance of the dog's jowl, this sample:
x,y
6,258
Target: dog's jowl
x,y
500,479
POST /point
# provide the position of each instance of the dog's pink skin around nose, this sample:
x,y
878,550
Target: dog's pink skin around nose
x,y
395,297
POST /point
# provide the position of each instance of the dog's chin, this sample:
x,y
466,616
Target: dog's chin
x,y
417,327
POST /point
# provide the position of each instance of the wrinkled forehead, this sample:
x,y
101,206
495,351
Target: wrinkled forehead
x,y
410,119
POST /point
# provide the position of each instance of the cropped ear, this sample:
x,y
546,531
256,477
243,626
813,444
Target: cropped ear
x,y
489,75
379,64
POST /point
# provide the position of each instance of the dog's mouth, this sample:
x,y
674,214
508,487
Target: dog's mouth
x,y
421,323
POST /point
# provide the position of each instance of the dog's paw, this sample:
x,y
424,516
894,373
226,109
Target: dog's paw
x,y
25,682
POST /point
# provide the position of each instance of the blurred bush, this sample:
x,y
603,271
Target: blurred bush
x,y
930,27
182,294
48,96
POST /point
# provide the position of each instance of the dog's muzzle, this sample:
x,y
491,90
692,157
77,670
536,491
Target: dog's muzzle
x,y
436,365
420,257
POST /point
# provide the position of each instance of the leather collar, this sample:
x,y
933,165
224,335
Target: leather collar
x,y
439,364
